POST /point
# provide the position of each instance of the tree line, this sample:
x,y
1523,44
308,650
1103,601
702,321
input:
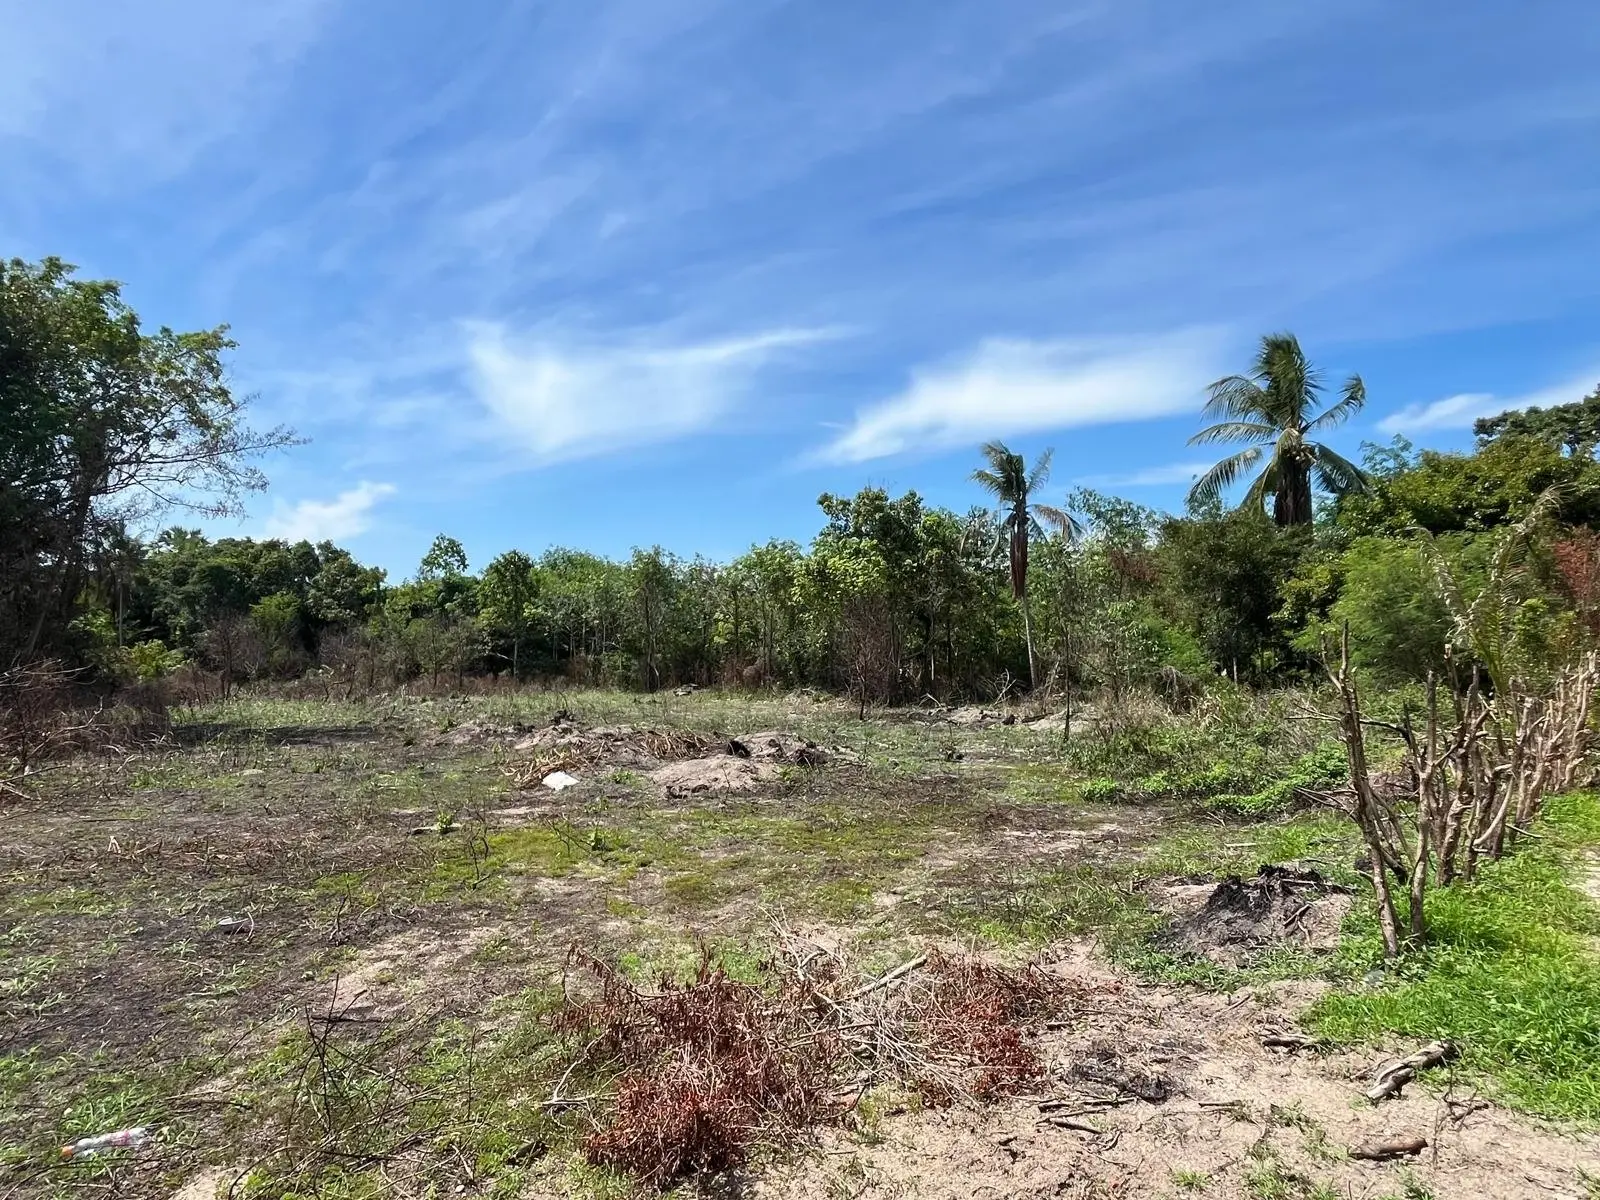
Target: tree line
x,y
104,426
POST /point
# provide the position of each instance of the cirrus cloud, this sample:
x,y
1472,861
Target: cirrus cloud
x,y
562,402
1011,386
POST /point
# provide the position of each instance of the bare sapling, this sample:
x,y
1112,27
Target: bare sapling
x,y
1476,774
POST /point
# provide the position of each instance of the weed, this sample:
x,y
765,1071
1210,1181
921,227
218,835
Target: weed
x,y
1266,1179
1186,1179
1101,790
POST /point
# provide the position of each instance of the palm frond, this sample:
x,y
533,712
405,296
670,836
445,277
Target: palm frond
x,y
1006,475
1337,474
1060,520
1210,486
1263,487
1290,384
1040,474
1235,397
990,482
1353,401
1235,431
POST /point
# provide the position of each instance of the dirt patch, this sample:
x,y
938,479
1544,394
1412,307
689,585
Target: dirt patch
x,y
682,762
719,773
1589,877
209,1183
1147,1082
385,978
1233,921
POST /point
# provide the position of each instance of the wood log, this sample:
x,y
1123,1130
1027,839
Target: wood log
x,y
1385,1151
1391,1078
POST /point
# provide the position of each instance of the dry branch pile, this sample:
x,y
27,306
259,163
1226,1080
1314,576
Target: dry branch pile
x,y
40,727
698,1073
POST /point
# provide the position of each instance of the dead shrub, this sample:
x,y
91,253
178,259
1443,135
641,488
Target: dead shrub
x,y
976,1017
38,723
701,1072
707,1068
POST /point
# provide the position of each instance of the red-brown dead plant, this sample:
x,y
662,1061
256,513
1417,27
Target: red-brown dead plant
x,y
708,1068
702,1071
976,1020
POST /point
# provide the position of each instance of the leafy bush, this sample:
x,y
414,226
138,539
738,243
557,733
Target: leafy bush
x,y
1323,768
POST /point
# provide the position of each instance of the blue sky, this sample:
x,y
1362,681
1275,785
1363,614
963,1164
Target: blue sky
x,y
619,272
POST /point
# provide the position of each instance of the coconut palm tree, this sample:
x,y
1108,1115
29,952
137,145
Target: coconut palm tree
x,y
1009,481
1276,406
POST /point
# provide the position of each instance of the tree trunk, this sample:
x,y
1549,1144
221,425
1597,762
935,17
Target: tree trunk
x,y
1027,633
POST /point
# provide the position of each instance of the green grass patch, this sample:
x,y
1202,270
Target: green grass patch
x,y
1510,973
1026,909
1324,840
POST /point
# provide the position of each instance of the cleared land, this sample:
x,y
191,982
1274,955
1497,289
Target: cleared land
x,y
321,943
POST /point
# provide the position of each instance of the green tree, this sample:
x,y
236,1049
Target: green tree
x,y
509,595
100,423
1219,577
1276,406
1388,596
277,621
1469,493
1574,427
1008,479
445,558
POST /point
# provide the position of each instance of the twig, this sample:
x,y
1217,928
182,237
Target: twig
x,y
884,981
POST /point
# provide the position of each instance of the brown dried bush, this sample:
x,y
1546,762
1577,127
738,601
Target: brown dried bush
x,y
707,1069
975,1017
702,1072
38,723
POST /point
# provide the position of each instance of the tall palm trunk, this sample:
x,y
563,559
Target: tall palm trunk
x,y
1027,634
1019,586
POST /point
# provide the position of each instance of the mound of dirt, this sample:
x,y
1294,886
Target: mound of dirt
x,y
775,746
718,773
1236,920
972,715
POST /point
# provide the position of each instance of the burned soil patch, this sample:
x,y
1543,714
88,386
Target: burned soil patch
x,y
1237,920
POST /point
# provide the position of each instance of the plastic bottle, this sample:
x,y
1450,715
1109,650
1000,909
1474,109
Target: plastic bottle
x,y
120,1139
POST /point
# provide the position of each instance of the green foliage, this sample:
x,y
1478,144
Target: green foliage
x,y
1220,578
1468,493
152,659
1575,427
1321,770
95,411
1509,973
1390,599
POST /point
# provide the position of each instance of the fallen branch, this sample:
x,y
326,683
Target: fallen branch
x,y
1385,1151
1292,1041
1390,1079
1065,1122
884,981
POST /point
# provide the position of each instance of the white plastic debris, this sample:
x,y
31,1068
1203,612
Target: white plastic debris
x,y
558,781
89,1147
236,924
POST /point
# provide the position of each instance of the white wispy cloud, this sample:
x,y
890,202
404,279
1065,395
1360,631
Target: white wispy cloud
x,y
563,402
1158,476
1008,387
346,515
1460,411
